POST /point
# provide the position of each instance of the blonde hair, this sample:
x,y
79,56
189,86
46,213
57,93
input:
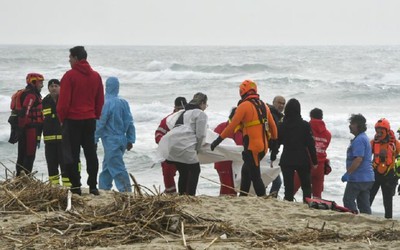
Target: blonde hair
x,y
199,98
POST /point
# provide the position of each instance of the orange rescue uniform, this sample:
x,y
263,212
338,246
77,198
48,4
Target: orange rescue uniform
x,y
246,113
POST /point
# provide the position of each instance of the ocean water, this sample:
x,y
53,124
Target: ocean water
x,y
339,80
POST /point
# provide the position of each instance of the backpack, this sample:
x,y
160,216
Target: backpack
x,y
16,110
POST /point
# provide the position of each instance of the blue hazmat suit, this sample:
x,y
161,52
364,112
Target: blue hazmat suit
x,y
116,130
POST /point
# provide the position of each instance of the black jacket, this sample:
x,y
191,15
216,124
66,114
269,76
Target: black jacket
x,y
295,135
51,124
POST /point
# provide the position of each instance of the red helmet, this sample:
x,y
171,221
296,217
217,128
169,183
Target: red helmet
x,y
383,123
246,86
33,77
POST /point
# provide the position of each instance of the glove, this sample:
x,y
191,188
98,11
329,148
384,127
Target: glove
x,y
216,142
272,157
129,146
345,177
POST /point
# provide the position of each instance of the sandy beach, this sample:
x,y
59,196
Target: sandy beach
x,y
33,216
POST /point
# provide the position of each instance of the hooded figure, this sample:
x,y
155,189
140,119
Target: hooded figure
x,y
298,146
322,138
117,132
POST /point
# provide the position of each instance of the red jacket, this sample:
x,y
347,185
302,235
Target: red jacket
x,y
81,93
322,137
162,129
237,137
32,108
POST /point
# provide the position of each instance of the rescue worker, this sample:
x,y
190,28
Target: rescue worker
x,y
30,122
79,105
255,119
169,169
385,148
52,136
117,132
224,168
185,140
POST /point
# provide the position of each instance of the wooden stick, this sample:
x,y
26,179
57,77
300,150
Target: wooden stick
x,y
183,234
248,229
69,204
10,238
235,189
137,188
6,170
212,242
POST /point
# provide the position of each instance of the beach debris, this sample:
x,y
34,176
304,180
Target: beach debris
x,y
138,217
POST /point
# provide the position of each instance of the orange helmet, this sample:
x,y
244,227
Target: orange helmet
x,y
33,77
246,86
383,123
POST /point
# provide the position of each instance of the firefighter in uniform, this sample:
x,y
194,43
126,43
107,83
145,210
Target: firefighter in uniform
x,y
52,136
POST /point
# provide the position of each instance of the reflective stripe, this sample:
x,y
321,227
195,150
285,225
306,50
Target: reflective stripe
x,y
162,130
54,179
47,111
66,182
52,137
247,124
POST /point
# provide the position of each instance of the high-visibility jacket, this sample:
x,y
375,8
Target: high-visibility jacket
x,y
51,124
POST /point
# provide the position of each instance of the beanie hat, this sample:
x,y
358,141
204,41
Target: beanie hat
x,y
53,81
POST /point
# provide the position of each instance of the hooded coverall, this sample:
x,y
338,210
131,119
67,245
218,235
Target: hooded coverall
x,y
115,128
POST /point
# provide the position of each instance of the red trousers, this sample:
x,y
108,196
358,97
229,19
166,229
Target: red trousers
x,y
224,170
317,180
26,150
169,172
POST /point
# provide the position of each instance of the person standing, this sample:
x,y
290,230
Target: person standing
x,y
359,174
79,105
255,119
224,168
298,147
322,138
52,136
385,149
277,107
185,140
30,122
117,132
169,169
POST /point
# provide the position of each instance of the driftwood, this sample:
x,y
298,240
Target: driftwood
x,y
138,217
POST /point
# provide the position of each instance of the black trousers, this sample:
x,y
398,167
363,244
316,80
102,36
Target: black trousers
x,y
188,177
304,173
77,133
387,183
251,173
54,158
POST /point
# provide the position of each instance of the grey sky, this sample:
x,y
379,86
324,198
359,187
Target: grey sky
x,y
202,22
